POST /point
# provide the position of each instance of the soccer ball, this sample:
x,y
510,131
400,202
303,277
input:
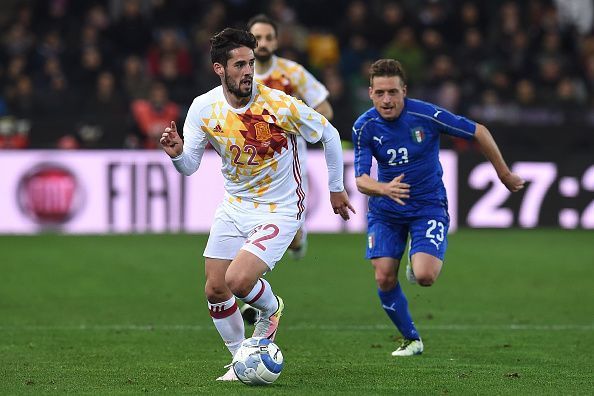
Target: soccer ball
x,y
258,361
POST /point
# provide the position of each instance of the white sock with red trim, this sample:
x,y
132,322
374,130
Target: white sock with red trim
x,y
228,321
262,297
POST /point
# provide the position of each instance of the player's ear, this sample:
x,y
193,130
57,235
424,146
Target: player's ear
x,y
218,69
370,93
404,90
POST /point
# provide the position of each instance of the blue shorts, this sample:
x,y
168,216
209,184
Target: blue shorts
x,y
387,237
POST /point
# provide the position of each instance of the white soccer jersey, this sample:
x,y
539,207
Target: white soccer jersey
x,y
292,78
257,145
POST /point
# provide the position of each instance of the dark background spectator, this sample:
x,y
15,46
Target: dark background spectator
x,y
68,68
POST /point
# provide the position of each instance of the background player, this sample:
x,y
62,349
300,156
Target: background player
x,y
293,79
253,129
409,197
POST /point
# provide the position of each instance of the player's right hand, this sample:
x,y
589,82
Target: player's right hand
x,y
397,190
171,142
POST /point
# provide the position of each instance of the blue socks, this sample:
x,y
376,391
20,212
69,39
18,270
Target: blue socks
x,y
396,306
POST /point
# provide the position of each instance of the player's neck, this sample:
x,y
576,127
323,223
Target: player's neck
x,y
263,67
235,101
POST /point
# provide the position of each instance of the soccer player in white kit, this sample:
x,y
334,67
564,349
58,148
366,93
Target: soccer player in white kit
x,y
254,129
293,79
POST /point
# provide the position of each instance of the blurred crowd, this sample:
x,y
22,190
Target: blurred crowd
x,y
113,73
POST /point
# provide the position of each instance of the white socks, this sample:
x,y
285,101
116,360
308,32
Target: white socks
x,y
228,321
262,298
227,318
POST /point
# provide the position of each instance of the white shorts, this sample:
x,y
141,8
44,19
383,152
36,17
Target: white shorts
x,y
266,235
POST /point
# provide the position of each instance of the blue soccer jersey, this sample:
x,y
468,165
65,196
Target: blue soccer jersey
x,y
409,145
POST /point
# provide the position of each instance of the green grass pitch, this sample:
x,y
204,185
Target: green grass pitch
x,y
512,313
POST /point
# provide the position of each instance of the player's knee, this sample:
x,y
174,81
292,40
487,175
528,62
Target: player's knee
x,y
426,278
215,292
385,281
239,285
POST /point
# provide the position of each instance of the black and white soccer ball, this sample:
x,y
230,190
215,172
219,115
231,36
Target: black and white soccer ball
x,y
258,361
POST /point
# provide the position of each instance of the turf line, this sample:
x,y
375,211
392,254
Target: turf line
x,y
301,327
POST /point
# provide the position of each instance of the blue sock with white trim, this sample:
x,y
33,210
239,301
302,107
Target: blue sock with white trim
x,y
396,306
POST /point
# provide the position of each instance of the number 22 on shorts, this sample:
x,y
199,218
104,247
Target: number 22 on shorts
x,y
263,233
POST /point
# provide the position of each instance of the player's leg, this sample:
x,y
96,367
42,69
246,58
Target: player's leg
x,y
393,300
428,244
223,243
244,278
266,245
223,309
386,244
298,247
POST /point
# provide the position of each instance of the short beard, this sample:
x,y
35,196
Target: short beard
x,y
263,57
235,89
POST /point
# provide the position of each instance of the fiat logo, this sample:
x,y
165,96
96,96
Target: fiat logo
x,y
49,194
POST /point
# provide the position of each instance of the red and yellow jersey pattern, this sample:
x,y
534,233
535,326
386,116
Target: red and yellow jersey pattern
x,y
292,78
257,144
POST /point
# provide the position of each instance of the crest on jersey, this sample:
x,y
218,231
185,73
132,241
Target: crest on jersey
x,y
262,131
417,134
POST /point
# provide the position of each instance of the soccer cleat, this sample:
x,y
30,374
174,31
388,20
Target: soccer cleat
x,y
228,376
409,348
266,327
299,252
410,275
249,314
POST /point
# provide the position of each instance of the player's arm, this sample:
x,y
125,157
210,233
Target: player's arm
x,y
325,109
339,198
313,127
186,154
395,189
512,181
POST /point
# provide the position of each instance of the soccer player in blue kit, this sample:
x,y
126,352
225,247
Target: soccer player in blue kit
x,y
409,199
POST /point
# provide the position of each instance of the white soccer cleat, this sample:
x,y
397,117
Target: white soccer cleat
x,y
409,348
266,327
228,376
410,275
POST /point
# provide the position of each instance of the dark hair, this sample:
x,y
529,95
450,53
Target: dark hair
x,y
226,41
386,68
262,18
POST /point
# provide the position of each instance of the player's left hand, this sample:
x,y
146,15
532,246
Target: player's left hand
x,y
340,204
513,182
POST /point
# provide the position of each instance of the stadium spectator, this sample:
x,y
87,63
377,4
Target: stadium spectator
x,y
151,116
169,45
408,201
90,64
135,81
258,218
179,86
539,41
356,21
104,120
391,19
131,30
405,47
